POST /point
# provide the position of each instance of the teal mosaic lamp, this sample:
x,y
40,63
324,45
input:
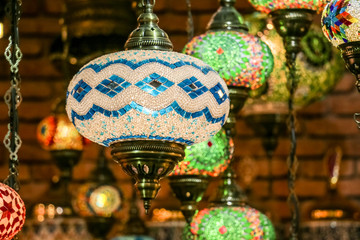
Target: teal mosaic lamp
x,y
147,103
341,25
190,177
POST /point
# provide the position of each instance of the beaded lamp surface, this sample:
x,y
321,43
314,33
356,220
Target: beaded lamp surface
x,y
12,212
241,59
341,21
56,132
147,95
231,223
97,200
267,6
319,68
208,158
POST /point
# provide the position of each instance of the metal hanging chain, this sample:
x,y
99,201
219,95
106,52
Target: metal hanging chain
x,y
190,21
13,96
292,162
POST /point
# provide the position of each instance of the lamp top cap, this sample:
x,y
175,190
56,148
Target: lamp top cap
x,y
227,18
148,35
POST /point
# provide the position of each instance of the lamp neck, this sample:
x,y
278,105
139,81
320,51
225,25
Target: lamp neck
x,y
229,193
148,35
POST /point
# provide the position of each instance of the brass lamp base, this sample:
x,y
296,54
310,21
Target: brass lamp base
x,y
65,160
292,25
268,126
147,162
189,189
238,97
351,55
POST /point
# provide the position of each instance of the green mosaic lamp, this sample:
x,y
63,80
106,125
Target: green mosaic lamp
x,y
319,68
190,177
241,59
231,223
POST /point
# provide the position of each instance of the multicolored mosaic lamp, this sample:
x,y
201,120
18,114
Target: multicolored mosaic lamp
x,y
341,25
190,177
231,223
147,103
12,212
99,200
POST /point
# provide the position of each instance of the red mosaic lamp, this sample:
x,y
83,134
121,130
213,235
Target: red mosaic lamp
x,y
12,212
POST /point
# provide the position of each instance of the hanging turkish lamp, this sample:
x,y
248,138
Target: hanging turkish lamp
x,y
341,25
190,177
55,218
292,20
99,200
319,69
58,135
241,59
147,103
12,212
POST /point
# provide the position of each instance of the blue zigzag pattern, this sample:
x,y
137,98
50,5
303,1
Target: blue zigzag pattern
x,y
98,67
133,105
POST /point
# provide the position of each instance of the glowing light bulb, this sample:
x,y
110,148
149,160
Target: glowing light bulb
x,y
101,200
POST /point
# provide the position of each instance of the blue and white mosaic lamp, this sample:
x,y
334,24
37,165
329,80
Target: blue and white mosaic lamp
x,y
147,103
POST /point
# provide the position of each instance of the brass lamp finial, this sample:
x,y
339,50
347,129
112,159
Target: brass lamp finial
x,y
148,35
227,18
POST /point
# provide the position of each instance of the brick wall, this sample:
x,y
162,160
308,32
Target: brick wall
x,y
324,124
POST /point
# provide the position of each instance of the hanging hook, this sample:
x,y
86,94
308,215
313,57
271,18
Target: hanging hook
x,y
356,115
